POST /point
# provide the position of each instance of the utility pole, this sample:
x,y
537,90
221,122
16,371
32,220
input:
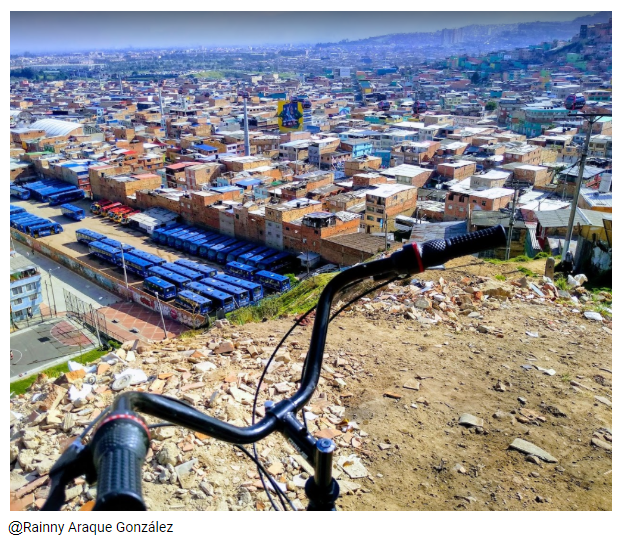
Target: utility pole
x,y
94,319
51,284
165,333
44,282
127,287
573,206
386,233
511,225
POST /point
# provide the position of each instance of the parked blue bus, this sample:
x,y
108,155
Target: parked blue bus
x,y
43,194
156,261
193,302
105,252
276,262
73,212
223,252
196,243
159,232
183,244
161,287
256,259
177,279
205,247
19,192
254,289
240,295
162,234
232,256
207,271
219,299
214,250
87,236
137,265
15,210
273,281
174,237
243,258
44,229
239,270
117,244
65,196
192,275
22,224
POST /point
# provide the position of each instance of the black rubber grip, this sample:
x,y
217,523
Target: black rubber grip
x,y
118,450
436,252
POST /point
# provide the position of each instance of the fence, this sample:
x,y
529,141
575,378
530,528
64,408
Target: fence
x,y
109,283
89,318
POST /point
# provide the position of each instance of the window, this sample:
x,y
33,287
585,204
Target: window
x,y
18,313
33,297
370,218
483,202
236,216
450,207
461,209
17,301
31,287
16,290
287,228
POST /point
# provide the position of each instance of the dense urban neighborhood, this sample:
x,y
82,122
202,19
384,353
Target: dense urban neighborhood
x,y
163,200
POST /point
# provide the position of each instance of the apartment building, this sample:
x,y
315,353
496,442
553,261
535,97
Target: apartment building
x,y
385,202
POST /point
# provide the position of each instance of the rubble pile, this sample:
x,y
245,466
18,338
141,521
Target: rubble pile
x,y
217,373
463,303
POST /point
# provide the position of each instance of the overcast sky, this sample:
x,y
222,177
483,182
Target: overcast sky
x,y
73,31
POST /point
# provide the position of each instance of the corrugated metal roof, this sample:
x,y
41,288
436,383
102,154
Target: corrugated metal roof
x,y
424,232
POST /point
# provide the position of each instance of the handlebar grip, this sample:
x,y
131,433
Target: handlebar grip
x,y
436,252
119,448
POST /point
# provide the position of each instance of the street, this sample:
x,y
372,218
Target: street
x,y
42,344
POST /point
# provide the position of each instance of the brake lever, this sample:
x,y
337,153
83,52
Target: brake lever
x,y
75,461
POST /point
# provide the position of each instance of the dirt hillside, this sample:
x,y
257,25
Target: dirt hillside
x,y
425,387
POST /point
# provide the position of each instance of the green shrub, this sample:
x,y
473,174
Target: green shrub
x,y
520,259
500,277
541,255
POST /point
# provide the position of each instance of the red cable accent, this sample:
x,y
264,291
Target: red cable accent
x,y
114,417
418,259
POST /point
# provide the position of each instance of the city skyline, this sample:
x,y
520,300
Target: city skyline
x,y
141,30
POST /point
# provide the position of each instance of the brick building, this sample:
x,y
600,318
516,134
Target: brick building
x,y
119,187
456,170
385,202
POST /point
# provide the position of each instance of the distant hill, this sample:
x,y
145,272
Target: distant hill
x,y
483,36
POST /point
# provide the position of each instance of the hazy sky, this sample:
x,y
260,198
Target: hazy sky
x,y
70,31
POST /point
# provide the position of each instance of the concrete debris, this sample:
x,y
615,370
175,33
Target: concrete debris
x,y
530,449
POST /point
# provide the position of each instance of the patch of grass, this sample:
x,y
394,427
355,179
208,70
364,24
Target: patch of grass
x,y
191,333
561,283
566,378
527,272
20,387
541,255
500,277
517,259
210,74
294,281
298,300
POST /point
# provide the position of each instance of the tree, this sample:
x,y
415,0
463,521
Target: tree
x,y
476,78
491,105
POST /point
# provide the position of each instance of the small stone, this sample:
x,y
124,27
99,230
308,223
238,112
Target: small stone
x,y
412,384
204,366
522,400
468,420
601,444
604,400
168,454
460,468
499,386
225,347
353,466
533,459
528,448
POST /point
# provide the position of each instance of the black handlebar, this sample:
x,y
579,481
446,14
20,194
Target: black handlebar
x,y
118,451
121,441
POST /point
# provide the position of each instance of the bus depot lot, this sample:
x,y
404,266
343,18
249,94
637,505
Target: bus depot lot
x,y
66,240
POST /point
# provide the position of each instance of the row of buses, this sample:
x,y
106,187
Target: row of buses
x,y
221,248
52,191
196,287
31,224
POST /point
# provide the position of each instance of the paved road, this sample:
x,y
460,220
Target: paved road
x,y
63,278
43,344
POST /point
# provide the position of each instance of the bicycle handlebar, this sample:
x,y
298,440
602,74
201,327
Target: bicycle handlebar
x,y
121,441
